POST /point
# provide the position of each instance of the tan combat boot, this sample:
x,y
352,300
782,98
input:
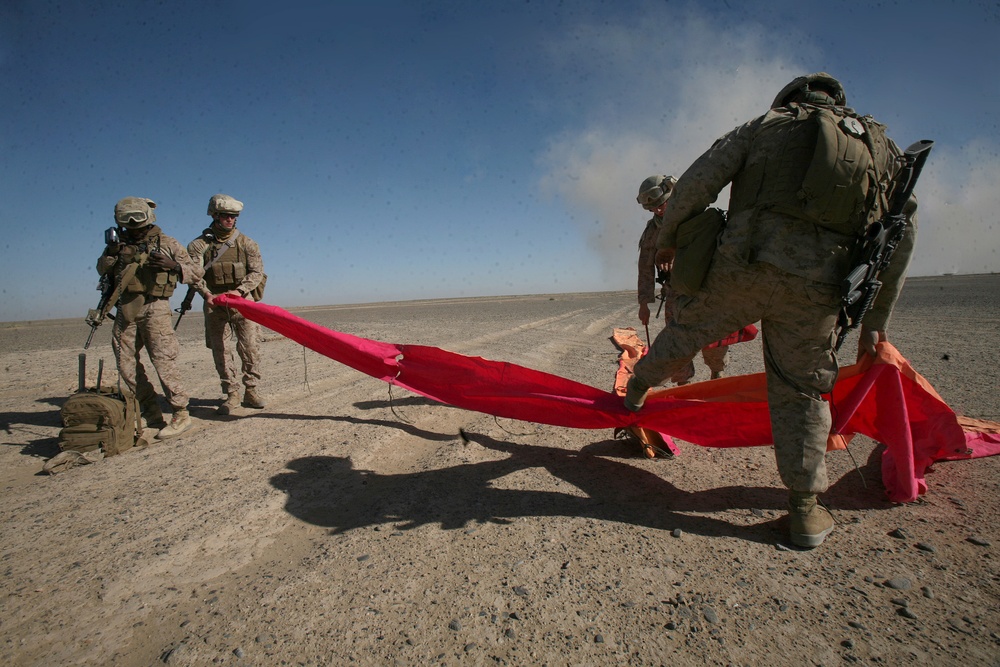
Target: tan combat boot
x,y
231,403
810,522
635,394
181,422
251,399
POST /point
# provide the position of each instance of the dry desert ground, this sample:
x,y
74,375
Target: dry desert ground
x,y
343,524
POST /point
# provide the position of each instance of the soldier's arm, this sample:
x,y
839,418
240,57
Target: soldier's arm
x,y
105,263
699,186
646,287
894,275
196,250
190,271
255,268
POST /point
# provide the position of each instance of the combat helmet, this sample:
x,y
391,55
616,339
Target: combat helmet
x,y
135,212
818,88
221,203
655,190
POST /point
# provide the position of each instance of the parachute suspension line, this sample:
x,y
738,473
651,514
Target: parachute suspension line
x,y
509,432
392,407
305,370
847,447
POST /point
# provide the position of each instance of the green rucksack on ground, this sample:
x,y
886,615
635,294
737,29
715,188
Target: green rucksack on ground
x,y
100,418
105,420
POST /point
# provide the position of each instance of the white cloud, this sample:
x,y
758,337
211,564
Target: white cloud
x,y
662,98
959,211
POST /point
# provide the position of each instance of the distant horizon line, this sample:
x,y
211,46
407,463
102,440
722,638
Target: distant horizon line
x,y
373,304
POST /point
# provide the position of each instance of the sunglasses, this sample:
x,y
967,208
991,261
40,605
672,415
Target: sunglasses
x,y
229,215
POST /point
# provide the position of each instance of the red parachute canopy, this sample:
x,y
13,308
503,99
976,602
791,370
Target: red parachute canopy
x,y
883,398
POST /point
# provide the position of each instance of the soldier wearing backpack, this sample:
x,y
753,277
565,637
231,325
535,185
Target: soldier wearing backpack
x,y
233,265
654,196
808,177
156,263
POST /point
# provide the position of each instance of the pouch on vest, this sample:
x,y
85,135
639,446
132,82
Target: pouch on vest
x,y
697,239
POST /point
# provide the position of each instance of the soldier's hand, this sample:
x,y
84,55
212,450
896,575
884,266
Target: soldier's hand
x,y
867,341
113,249
644,314
664,259
232,292
162,261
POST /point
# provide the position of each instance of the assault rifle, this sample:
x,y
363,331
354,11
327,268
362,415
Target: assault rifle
x,y
185,305
110,290
663,280
861,286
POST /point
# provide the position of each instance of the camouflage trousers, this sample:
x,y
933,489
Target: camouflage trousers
x,y
228,334
151,329
714,357
797,319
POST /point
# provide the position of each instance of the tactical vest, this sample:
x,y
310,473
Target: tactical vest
x,y
148,280
229,269
824,165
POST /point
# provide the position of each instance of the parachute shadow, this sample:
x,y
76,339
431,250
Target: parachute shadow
x,y
328,491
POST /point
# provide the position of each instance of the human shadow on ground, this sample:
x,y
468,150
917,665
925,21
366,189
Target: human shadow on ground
x,y
45,447
327,491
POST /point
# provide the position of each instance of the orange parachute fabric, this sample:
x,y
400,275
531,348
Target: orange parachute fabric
x,y
884,399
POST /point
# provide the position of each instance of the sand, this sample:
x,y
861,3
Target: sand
x,y
344,524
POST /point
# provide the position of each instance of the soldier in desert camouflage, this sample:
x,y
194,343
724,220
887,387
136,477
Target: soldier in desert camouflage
x,y
654,196
143,318
780,260
234,266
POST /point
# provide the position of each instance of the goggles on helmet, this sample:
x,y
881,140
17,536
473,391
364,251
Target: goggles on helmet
x,y
653,197
127,218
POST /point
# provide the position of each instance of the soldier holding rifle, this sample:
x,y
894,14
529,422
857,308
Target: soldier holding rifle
x,y
146,265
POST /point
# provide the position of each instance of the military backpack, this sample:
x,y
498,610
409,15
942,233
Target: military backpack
x,y
100,419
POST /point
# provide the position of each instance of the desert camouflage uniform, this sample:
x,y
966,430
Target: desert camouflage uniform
x,y
715,357
144,321
783,271
221,324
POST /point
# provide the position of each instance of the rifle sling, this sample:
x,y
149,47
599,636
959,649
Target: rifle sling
x,y
124,278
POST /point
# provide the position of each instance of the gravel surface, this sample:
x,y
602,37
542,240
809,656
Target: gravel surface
x,y
344,524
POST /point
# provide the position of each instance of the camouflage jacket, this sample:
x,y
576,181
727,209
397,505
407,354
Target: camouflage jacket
x,y
790,243
647,267
240,267
188,271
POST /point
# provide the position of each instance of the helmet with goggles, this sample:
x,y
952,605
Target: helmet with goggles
x,y
135,212
655,190
817,88
220,204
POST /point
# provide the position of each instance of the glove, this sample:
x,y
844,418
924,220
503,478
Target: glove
x,y
162,261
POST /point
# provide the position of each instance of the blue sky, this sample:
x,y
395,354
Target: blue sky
x,y
405,150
